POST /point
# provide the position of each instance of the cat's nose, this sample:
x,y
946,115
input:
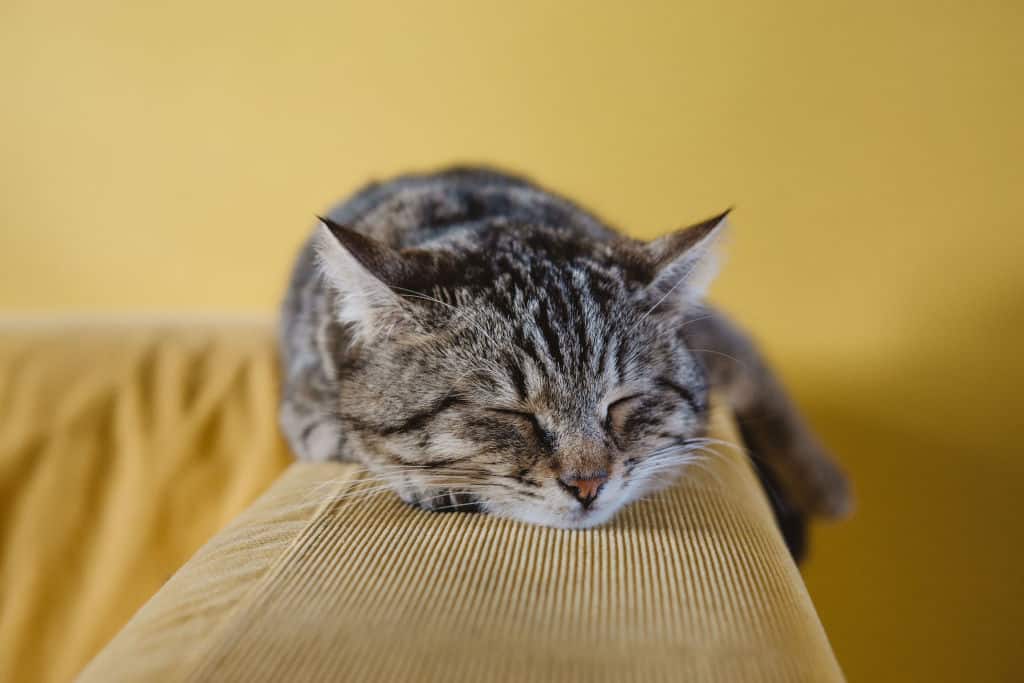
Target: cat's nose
x,y
584,488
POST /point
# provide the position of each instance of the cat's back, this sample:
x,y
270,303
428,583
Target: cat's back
x,y
414,209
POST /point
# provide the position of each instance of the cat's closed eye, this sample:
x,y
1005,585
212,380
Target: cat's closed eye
x,y
618,410
524,417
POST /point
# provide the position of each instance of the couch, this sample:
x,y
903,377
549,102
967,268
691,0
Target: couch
x,y
131,454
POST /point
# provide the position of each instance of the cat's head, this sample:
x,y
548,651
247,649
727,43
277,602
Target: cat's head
x,y
520,370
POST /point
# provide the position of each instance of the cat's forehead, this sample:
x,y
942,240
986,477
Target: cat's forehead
x,y
565,317
566,293
562,343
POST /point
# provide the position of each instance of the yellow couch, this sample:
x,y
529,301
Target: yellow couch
x,y
124,446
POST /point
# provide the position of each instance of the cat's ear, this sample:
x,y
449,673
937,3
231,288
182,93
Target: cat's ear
x,y
359,269
684,262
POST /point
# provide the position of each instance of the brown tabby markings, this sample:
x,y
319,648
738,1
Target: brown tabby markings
x,y
478,342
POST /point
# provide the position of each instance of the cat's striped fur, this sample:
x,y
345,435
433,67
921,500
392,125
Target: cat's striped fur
x,y
477,342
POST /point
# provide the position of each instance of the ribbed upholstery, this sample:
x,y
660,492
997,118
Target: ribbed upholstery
x,y
328,578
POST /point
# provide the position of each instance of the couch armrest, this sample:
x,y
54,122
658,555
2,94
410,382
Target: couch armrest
x,y
325,578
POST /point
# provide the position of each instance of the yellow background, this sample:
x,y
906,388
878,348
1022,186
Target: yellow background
x,y
171,157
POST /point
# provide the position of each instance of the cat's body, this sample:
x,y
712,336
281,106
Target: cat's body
x,y
479,342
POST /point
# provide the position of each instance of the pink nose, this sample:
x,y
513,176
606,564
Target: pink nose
x,y
584,489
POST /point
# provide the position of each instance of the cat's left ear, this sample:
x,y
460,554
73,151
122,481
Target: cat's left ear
x,y
685,262
362,271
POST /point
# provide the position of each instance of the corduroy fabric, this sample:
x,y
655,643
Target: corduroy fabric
x,y
329,578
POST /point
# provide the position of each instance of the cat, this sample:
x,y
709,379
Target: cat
x,y
482,344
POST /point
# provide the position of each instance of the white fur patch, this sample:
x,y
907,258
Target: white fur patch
x,y
321,444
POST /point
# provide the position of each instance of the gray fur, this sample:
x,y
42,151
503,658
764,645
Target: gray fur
x,y
468,351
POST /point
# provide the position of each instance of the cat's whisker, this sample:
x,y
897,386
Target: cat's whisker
x,y
356,493
367,491
682,280
717,442
742,363
690,321
474,505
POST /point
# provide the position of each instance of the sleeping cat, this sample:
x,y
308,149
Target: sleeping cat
x,y
480,343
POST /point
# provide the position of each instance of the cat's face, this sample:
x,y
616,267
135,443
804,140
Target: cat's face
x,y
539,381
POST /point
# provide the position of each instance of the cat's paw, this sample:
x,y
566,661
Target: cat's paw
x,y
312,437
443,501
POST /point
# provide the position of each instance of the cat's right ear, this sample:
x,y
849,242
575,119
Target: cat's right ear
x,y
359,269
684,263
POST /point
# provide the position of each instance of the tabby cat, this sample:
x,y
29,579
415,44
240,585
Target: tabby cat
x,y
480,343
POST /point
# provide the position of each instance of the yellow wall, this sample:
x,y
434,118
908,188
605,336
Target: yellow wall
x,y
172,156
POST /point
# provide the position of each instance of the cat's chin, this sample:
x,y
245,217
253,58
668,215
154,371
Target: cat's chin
x,y
563,519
